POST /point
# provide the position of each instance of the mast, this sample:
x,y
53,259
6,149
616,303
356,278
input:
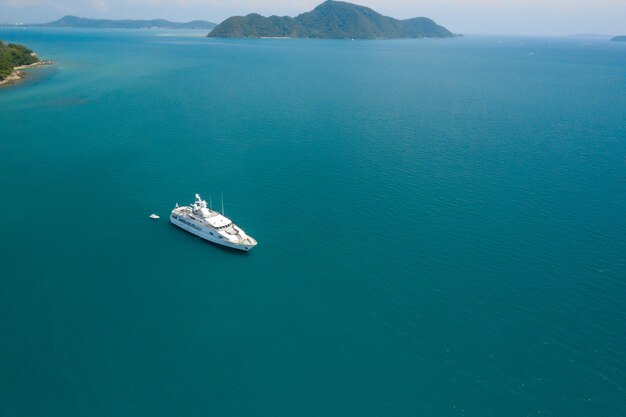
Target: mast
x,y
210,203
222,204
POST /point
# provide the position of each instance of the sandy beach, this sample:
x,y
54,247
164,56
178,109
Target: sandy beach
x,y
18,75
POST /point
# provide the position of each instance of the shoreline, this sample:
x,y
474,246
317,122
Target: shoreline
x,y
18,75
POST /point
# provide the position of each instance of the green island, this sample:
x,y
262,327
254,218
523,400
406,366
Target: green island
x,y
619,38
82,22
330,20
14,57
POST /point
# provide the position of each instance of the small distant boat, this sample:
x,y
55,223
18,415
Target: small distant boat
x,y
154,216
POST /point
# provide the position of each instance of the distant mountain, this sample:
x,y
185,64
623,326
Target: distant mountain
x,y
81,22
619,39
589,35
330,20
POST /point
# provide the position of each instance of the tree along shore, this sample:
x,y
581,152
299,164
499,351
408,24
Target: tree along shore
x,y
13,58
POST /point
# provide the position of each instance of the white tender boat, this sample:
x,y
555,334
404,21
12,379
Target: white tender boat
x,y
211,225
154,216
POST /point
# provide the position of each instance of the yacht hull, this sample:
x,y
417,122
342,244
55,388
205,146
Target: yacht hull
x,y
206,234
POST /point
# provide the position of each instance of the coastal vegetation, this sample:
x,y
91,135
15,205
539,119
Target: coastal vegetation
x,y
330,20
81,22
13,55
619,38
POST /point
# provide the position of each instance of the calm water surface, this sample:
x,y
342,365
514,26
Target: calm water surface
x,y
441,227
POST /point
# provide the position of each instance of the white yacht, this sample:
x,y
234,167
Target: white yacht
x,y
211,225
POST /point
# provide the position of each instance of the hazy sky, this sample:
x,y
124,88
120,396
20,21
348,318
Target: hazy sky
x,y
540,17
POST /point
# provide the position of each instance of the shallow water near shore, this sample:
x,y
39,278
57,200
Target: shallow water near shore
x,y
440,222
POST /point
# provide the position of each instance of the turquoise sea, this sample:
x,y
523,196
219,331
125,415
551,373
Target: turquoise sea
x,y
441,227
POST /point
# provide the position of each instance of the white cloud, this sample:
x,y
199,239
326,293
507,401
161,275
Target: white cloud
x,y
23,3
101,5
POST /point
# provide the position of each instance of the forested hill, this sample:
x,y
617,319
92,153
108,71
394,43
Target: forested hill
x,y
13,55
330,20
